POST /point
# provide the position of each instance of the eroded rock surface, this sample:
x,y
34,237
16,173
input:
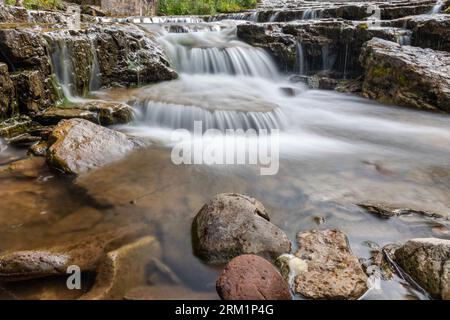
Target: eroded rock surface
x,y
78,146
250,277
427,261
234,224
407,76
333,272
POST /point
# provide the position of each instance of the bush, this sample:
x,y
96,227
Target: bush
x,y
186,7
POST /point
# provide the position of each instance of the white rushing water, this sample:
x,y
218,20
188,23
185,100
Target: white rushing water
x,y
437,7
229,85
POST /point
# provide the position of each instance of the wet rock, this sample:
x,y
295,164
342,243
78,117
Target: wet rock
x,y
407,76
86,253
428,31
18,14
7,93
250,277
322,82
39,149
99,112
24,49
33,95
427,261
15,126
384,211
167,293
316,46
233,224
31,167
333,271
123,269
78,146
82,219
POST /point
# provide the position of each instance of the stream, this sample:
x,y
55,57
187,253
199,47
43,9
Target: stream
x,y
335,151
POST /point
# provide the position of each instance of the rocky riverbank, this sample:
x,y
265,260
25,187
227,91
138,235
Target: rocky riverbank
x,y
76,192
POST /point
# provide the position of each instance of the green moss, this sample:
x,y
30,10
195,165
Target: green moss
x,y
402,80
187,7
447,11
363,26
381,71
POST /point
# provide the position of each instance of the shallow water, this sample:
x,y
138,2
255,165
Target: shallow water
x,y
336,151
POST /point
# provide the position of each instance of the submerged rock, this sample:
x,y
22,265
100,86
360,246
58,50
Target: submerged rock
x,y
123,269
407,76
77,146
234,224
333,271
249,277
167,292
427,261
86,253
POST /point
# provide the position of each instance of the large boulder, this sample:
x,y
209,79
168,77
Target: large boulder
x,y
234,224
7,93
77,146
427,261
332,271
250,277
407,76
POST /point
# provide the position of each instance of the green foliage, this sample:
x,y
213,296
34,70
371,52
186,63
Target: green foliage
x,y
38,4
186,7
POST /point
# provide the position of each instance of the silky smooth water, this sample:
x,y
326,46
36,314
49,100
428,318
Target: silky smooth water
x,y
336,151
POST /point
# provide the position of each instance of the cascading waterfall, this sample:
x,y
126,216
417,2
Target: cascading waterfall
x,y
94,80
63,63
437,7
302,63
63,68
217,53
208,62
175,116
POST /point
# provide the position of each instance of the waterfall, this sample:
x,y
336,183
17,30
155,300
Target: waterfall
x,y
173,116
311,14
437,7
217,53
302,67
62,66
94,80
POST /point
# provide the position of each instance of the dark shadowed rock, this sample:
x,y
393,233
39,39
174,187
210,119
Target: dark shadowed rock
x,y
407,76
7,93
249,277
333,271
427,261
234,224
77,146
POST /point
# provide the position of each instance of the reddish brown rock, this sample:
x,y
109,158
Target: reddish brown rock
x,y
250,277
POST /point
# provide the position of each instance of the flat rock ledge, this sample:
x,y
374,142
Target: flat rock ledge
x,y
77,146
427,261
406,76
332,271
234,224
